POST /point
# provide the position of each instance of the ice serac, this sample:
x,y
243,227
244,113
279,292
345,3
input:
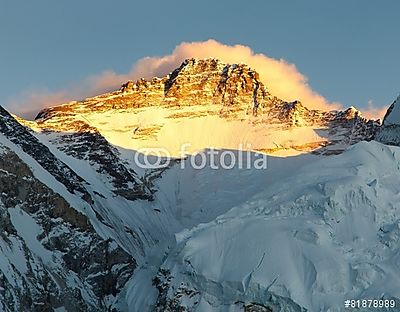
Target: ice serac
x,y
390,130
205,97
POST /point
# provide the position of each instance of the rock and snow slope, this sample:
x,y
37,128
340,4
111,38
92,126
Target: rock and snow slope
x,y
390,131
51,255
208,103
85,229
393,114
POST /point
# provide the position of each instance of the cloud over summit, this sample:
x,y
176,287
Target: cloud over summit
x,y
281,78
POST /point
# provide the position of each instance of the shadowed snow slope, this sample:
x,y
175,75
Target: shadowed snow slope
x,y
390,130
327,232
393,115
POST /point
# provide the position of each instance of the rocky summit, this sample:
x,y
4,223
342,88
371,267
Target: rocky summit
x,y
85,228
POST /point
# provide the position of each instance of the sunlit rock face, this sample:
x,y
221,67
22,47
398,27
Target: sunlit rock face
x,y
390,131
211,81
208,103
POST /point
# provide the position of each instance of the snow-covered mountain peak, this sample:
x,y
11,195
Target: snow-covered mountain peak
x,y
352,112
392,116
389,133
208,103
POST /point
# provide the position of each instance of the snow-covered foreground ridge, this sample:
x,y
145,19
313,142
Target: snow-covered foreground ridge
x,y
85,229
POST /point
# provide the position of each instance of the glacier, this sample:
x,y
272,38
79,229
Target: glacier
x,y
314,235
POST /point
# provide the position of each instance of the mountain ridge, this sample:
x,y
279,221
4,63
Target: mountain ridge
x,y
211,77
208,89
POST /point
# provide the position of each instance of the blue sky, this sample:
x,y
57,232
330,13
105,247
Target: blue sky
x,y
348,49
